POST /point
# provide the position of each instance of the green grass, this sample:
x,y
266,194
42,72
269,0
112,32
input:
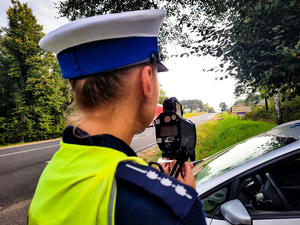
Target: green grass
x,y
150,155
189,115
215,135
223,115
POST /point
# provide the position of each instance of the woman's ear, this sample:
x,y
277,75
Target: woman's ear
x,y
147,79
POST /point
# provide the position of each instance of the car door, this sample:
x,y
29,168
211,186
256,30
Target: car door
x,y
269,194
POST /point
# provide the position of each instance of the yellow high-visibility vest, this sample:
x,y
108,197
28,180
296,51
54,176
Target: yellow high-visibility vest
x,y
78,187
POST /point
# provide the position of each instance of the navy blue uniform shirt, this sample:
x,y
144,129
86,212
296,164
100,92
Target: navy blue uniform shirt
x,y
145,196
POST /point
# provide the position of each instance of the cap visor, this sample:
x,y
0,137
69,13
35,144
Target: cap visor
x,y
161,67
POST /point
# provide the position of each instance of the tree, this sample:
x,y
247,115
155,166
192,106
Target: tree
x,y
32,81
239,101
200,105
162,95
223,106
173,28
4,81
211,110
258,39
258,43
192,104
252,99
20,43
206,107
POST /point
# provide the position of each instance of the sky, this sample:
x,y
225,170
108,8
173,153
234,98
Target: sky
x,y
185,79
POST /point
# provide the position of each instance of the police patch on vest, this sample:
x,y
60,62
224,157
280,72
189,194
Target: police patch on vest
x,y
179,197
153,175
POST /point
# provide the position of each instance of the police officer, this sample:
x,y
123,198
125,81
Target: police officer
x,y
111,63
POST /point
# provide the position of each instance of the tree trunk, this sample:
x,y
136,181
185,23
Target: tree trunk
x,y
266,104
277,107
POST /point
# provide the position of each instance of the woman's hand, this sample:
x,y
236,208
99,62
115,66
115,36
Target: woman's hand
x,y
166,167
187,177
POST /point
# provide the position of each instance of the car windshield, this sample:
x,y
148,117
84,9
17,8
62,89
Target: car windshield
x,y
237,155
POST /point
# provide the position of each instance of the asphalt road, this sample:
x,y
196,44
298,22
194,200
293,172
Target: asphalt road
x,y
21,166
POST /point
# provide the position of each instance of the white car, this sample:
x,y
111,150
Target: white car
x,y
256,181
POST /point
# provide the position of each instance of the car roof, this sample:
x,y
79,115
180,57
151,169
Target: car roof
x,y
290,129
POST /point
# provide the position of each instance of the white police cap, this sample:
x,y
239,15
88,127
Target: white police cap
x,y
107,42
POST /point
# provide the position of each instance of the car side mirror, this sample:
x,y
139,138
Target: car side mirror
x,y
235,212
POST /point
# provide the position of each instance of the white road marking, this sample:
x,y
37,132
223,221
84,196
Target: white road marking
x,y
135,138
29,150
149,134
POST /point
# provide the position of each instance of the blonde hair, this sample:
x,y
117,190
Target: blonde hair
x,y
99,89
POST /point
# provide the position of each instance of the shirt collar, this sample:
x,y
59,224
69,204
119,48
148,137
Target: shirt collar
x,y
75,135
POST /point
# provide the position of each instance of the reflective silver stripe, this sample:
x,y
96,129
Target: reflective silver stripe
x,y
111,203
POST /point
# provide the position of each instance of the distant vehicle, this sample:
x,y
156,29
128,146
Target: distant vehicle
x,y
255,181
159,110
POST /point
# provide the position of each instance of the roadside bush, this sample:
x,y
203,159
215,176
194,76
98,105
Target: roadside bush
x,y
290,111
260,114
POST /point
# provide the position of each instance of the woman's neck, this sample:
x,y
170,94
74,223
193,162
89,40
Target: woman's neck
x,y
119,123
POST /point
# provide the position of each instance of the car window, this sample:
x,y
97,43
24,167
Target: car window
x,y
275,189
211,202
236,155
